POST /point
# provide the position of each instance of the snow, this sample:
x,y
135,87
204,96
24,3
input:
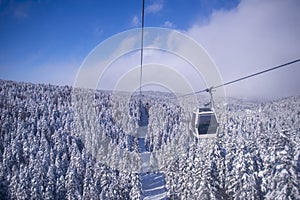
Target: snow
x,y
156,197
54,148
155,188
153,183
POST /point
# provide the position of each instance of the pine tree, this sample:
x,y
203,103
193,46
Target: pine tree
x,y
24,183
284,183
90,189
136,192
51,181
4,189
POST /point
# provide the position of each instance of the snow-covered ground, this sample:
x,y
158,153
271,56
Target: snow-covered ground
x,y
153,185
54,148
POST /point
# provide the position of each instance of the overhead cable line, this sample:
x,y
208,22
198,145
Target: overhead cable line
x,y
240,79
142,46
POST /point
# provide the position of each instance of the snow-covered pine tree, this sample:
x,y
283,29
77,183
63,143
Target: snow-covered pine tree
x,y
136,192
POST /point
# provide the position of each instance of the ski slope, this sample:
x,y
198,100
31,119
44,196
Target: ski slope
x,y
153,183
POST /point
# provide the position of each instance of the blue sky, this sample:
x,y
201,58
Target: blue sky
x,y
37,34
46,41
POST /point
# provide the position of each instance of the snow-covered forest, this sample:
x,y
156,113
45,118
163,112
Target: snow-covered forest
x,y
52,148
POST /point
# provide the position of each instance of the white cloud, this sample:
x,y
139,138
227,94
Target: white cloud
x,y
98,62
252,37
164,48
169,24
154,7
135,21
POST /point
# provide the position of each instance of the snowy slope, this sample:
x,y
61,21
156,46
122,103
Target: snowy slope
x,y
152,183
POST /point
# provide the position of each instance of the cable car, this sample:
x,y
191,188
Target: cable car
x,y
204,121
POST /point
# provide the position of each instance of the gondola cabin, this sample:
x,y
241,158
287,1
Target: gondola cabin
x,y
204,123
